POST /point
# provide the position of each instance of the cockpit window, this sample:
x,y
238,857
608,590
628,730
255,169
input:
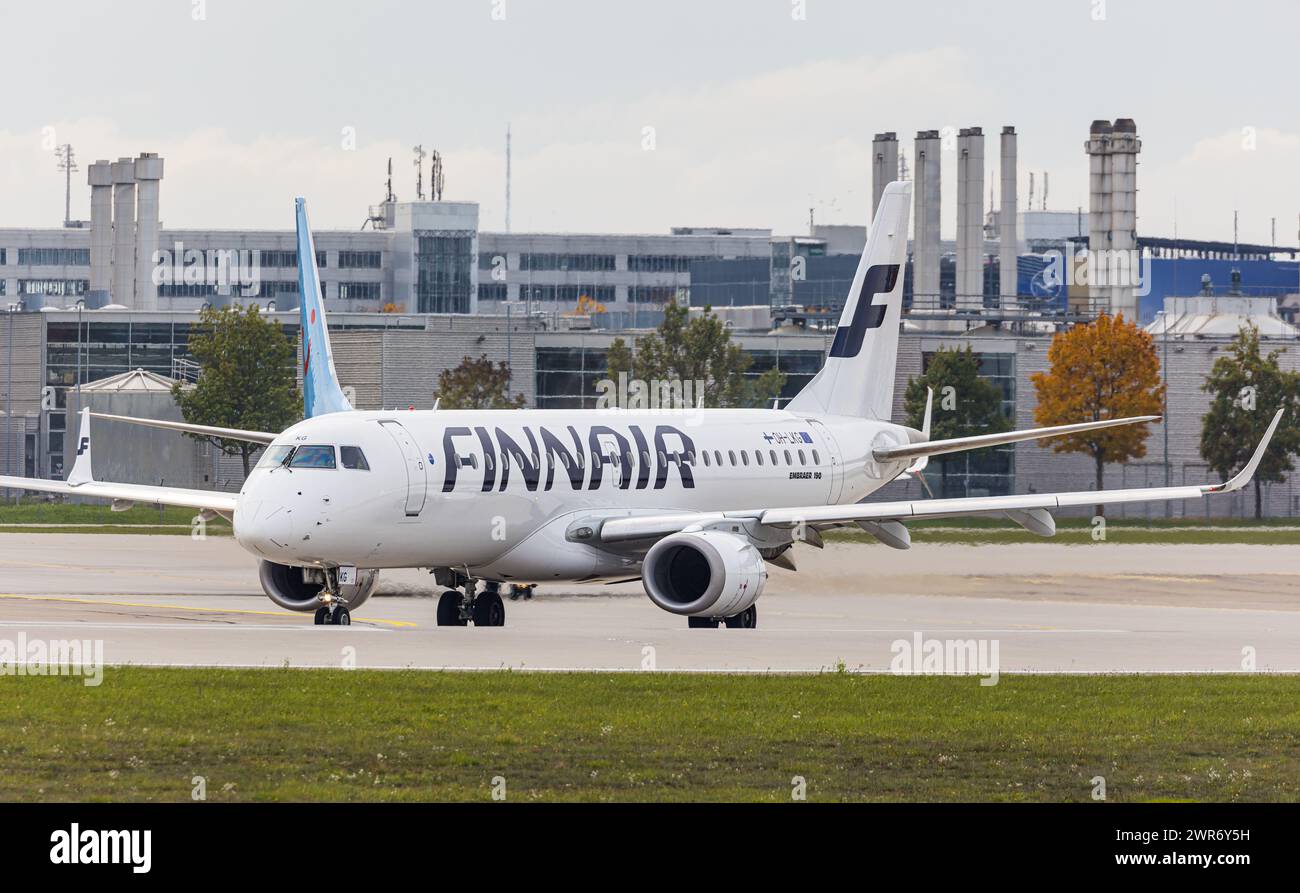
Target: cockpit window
x,y
352,457
308,456
275,455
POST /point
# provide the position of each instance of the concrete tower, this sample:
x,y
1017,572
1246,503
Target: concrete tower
x,y
100,177
884,166
148,176
1124,270
970,218
123,288
1008,238
925,228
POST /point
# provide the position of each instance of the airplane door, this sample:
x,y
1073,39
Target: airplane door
x,y
415,467
836,471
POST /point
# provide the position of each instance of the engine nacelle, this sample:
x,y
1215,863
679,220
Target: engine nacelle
x,y
705,573
289,587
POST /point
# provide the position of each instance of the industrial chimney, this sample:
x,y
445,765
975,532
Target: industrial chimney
x,y
148,176
123,289
100,177
1008,238
970,218
925,237
884,166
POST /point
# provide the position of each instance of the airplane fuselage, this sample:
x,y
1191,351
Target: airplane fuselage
x,y
494,491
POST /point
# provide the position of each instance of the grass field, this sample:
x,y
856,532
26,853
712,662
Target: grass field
x,y
60,517
363,735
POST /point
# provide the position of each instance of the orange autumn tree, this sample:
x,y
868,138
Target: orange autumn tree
x,y
1105,370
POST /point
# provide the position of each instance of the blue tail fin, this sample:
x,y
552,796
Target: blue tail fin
x,y
320,383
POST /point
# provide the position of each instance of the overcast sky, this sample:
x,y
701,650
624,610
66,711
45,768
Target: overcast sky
x,y
757,114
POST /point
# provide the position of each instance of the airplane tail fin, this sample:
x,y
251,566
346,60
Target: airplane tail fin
x,y
321,392
858,377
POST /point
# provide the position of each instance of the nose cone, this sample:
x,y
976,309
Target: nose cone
x,y
263,527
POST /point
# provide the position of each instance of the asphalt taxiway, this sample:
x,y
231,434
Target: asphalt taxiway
x,y
172,600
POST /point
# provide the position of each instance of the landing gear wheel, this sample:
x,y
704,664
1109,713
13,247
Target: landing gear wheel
x,y
342,616
322,616
746,619
489,610
702,622
449,609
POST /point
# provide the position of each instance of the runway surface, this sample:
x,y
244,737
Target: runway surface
x,y
171,600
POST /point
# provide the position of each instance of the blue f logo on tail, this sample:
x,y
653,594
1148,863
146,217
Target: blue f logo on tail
x,y
320,385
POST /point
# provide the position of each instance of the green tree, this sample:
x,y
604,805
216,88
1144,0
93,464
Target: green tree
x,y
1248,388
964,403
696,349
477,384
246,377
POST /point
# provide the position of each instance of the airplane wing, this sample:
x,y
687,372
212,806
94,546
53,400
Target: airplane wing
x,y
209,430
80,482
979,441
1032,510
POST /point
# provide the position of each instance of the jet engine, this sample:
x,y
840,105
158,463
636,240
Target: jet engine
x,y
704,573
295,589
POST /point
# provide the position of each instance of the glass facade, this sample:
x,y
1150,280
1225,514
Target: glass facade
x,y
567,376
989,472
444,262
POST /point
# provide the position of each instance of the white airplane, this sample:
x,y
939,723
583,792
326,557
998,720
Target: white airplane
x,y
694,503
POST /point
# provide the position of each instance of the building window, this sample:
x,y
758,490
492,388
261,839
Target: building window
x,y
54,257
567,294
658,263
654,294
493,291
583,263
57,288
444,260
360,260
359,291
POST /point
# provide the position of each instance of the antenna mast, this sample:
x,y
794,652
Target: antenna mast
x,y
67,164
419,172
435,176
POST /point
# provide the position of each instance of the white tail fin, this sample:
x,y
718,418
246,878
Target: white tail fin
x,y
858,378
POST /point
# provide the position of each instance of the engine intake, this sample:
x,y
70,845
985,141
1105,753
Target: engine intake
x,y
706,573
289,587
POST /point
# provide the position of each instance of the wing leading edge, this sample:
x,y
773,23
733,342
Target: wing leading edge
x,y
648,526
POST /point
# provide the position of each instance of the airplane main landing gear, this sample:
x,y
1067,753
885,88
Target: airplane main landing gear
x,y
746,619
484,608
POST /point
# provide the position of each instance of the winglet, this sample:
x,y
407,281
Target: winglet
x,y
1242,478
81,473
919,465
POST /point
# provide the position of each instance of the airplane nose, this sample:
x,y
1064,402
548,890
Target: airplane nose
x,y
262,527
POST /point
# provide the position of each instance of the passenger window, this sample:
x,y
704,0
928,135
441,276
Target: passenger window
x,y
787,458
717,458
758,456
705,454
312,457
817,460
802,460
663,460
772,453
731,454
352,457
744,458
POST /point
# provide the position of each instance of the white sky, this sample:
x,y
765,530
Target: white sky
x,y
757,116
